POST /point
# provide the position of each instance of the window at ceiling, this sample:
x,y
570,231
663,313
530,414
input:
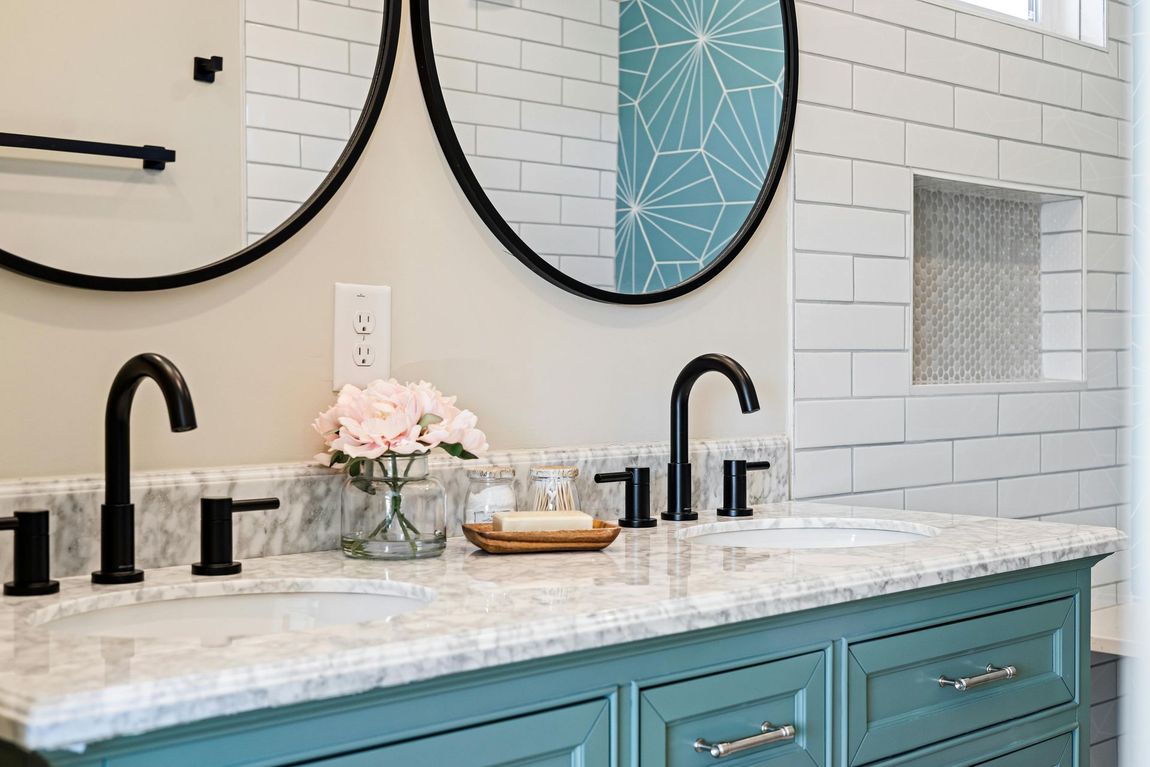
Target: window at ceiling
x,y
1021,9
1083,20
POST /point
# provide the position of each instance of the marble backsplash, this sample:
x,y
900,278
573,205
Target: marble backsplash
x,y
167,503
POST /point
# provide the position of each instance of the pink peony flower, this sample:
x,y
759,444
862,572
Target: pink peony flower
x,y
389,417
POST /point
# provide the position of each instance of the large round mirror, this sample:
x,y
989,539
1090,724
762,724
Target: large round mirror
x,y
151,145
625,150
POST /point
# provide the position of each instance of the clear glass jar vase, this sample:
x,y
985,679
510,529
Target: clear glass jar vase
x,y
553,488
489,489
392,509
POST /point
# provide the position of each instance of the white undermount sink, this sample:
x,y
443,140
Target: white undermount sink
x,y
808,533
247,608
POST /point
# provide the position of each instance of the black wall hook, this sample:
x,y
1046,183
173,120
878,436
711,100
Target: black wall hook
x,y
205,69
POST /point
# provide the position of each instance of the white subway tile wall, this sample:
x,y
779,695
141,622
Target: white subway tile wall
x,y
308,68
536,83
893,86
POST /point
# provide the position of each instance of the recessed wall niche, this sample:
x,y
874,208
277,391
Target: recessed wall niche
x,y
998,285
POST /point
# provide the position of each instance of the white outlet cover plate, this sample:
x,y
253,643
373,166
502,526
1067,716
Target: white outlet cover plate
x,y
350,300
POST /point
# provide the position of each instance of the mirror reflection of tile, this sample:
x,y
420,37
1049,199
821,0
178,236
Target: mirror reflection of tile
x,y
309,68
627,141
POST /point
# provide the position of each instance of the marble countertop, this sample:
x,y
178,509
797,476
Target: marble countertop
x,y
1114,630
59,691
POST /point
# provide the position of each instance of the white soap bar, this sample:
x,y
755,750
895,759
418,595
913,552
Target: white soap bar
x,y
541,521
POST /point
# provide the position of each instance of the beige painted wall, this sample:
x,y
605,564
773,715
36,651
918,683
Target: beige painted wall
x,y
116,72
541,367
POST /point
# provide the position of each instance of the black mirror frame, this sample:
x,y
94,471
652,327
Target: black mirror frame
x,y
384,65
457,161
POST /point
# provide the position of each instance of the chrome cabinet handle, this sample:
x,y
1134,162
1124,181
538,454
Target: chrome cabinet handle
x,y
993,674
770,734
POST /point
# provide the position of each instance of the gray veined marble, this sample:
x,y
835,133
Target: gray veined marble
x,y
167,503
59,690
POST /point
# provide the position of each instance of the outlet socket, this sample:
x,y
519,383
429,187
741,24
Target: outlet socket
x,y
363,355
361,345
364,322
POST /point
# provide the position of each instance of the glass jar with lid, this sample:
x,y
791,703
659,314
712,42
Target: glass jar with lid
x,y
553,488
489,489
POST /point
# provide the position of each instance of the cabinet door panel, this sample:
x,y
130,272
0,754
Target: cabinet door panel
x,y
733,705
575,735
1056,752
897,705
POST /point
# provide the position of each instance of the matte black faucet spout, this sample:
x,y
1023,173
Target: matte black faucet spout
x,y
117,515
679,503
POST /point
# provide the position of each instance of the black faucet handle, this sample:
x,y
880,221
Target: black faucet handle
x,y
31,555
638,504
735,486
216,532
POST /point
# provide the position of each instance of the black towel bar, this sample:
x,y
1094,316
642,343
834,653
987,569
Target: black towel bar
x,y
154,157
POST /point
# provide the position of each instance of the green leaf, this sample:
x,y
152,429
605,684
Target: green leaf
x,y
429,419
455,449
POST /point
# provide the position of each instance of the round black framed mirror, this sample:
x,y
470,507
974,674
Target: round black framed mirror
x,y
167,160
624,150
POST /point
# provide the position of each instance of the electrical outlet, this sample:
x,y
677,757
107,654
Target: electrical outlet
x,y
361,350
364,322
363,355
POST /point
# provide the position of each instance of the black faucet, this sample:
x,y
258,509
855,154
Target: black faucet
x,y
30,556
117,515
679,505
216,533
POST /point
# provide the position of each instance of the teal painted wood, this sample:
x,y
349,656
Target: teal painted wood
x,y
980,746
896,704
565,737
734,705
314,731
1083,743
1053,753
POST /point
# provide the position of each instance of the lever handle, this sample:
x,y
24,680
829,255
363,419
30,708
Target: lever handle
x,y
256,504
735,486
638,500
31,555
216,533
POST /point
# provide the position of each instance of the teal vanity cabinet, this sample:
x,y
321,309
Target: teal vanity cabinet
x,y
894,702
573,735
845,685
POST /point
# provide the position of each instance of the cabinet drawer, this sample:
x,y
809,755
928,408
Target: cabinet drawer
x,y
1056,752
579,734
896,703
731,706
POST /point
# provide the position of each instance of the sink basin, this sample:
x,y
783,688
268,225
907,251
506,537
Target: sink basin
x,y
249,608
808,533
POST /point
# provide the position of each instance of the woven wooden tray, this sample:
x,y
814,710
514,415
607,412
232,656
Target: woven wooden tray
x,y
493,542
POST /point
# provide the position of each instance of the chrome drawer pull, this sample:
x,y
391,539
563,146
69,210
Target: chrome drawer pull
x,y
993,674
769,735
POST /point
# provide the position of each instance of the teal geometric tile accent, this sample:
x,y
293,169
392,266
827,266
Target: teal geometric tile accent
x,y
701,95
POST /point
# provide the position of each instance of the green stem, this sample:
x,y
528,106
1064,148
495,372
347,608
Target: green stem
x,y
395,484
